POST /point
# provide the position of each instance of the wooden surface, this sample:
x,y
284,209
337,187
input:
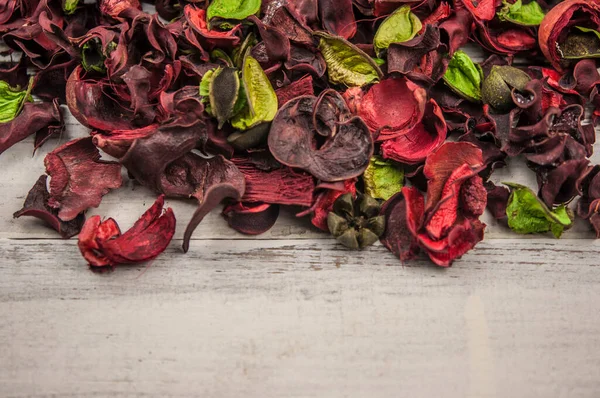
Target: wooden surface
x,y
290,313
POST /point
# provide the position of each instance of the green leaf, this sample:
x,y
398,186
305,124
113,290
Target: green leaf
x,y
12,100
218,55
530,14
240,52
262,100
69,6
346,63
232,9
204,89
399,27
527,214
464,77
582,44
383,179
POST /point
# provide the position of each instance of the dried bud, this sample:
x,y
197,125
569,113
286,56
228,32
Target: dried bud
x,y
356,223
499,84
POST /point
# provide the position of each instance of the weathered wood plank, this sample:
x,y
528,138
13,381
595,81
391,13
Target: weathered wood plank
x,y
300,318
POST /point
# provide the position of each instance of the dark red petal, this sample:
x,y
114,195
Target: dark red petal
x,y
337,17
38,117
251,219
79,178
403,217
36,205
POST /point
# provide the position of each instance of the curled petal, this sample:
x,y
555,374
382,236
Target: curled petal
x,y
424,138
36,205
393,107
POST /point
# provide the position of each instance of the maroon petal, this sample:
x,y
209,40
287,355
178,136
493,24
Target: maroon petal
x,y
403,217
303,86
36,205
210,199
497,200
337,17
251,219
559,185
38,117
91,106
292,141
79,178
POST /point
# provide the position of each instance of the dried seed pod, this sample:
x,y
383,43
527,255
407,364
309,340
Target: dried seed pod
x,y
499,84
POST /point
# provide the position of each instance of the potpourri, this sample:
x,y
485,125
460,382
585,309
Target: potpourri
x,y
367,116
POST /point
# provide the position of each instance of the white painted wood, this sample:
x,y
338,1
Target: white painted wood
x,y
301,318
289,313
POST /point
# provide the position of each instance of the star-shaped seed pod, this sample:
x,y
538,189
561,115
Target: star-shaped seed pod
x,y
356,223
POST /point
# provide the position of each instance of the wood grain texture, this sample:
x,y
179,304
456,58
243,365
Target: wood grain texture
x,y
301,318
290,313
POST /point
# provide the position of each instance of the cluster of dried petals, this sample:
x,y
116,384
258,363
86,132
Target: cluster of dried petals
x,y
264,104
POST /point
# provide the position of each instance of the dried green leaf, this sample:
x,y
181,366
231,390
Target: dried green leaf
x,y
261,98
383,179
527,214
69,6
12,100
346,63
530,14
240,52
232,9
402,25
464,76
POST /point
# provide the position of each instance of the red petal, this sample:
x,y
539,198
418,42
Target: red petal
x,y
148,237
393,106
462,238
424,138
483,10
102,244
442,163
445,212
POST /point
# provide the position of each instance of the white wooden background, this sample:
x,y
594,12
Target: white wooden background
x,y
290,313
